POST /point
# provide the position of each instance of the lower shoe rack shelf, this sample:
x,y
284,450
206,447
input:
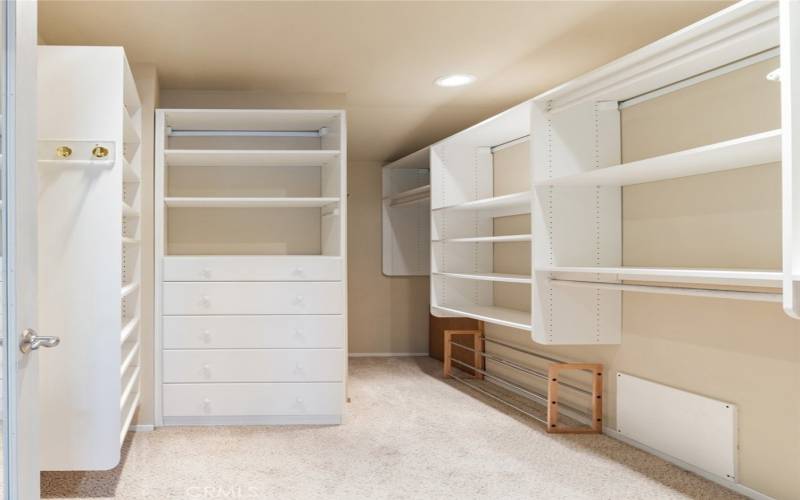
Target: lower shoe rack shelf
x,y
552,375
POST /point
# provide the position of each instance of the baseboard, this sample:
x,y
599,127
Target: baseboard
x,y
255,420
141,428
724,482
385,354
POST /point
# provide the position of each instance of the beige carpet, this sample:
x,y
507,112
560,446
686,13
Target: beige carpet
x,y
408,434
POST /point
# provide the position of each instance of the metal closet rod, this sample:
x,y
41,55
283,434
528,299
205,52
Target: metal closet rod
x,y
673,290
246,133
524,369
528,394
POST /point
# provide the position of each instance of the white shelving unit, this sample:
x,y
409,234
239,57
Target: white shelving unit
x,y
578,177
406,215
463,211
89,254
251,305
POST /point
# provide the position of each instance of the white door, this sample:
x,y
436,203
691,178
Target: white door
x,y
19,252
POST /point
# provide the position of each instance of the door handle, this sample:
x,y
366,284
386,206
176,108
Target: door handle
x,y
31,341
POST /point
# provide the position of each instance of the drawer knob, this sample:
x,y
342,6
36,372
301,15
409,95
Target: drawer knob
x,y
206,273
299,401
299,301
207,370
207,405
298,271
207,336
299,334
205,301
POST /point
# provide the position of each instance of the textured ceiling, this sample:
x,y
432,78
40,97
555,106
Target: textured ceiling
x,y
378,60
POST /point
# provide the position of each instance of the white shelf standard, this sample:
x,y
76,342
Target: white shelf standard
x,y
406,215
91,293
239,202
756,149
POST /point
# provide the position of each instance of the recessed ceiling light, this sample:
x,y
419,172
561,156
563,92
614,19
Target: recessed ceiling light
x,y
455,80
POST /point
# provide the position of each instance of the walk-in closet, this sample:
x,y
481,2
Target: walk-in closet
x,y
385,249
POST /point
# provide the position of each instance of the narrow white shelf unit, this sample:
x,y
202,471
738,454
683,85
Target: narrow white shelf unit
x,y
406,215
464,209
756,149
90,281
251,302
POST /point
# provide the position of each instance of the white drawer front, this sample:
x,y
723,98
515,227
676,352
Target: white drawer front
x,y
253,332
253,298
253,268
256,365
184,400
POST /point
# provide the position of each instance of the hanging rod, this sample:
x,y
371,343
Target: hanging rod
x,y
669,290
521,391
246,133
508,144
523,369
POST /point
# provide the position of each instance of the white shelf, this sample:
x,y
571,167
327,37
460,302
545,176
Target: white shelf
x,y
488,239
129,289
499,277
129,211
220,202
134,404
128,384
128,358
509,204
248,158
130,135
251,119
128,173
409,196
128,329
491,314
129,241
746,151
750,277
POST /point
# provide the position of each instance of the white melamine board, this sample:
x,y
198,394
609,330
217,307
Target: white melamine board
x,y
491,314
254,332
747,151
694,429
253,298
253,268
751,277
253,365
248,158
499,277
234,202
741,30
790,123
253,399
82,259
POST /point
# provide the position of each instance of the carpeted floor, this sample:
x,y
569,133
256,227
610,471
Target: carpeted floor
x,y
408,434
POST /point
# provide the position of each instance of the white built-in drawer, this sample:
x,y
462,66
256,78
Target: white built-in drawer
x,y
253,365
253,268
253,332
253,298
184,400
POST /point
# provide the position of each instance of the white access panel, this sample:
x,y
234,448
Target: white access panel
x,y
694,429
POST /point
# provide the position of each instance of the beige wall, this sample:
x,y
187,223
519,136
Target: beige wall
x,y
387,314
147,83
744,352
